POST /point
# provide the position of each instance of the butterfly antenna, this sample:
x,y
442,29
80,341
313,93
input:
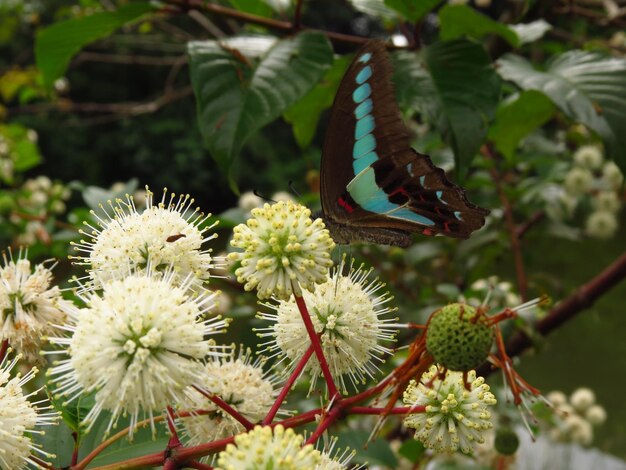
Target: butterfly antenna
x,y
293,189
265,198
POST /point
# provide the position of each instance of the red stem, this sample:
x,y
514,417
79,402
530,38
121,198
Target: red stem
x,y
75,452
317,346
287,387
326,422
3,349
227,408
367,410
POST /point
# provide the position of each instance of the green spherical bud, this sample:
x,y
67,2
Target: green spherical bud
x,y
458,337
507,441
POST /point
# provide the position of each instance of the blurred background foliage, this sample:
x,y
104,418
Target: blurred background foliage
x,y
124,114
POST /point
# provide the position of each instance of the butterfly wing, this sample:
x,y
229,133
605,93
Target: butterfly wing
x,y
370,176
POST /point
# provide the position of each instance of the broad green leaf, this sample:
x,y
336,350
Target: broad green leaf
x,y
589,87
412,10
378,452
56,45
236,98
457,91
254,7
461,20
304,115
412,449
517,119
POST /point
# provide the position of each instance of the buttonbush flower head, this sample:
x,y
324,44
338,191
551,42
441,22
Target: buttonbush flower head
x,y
578,181
601,225
30,308
18,418
612,175
238,380
607,201
137,345
454,418
336,459
284,249
348,311
588,156
278,449
168,234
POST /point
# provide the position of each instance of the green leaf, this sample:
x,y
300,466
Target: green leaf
x,y
254,7
457,91
517,119
24,150
412,450
589,87
378,452
412,10
304,115
461,20
235,98
56,45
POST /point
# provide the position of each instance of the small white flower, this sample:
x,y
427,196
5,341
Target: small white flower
x,y
582,398
612,175
578,181
248,201
267,448
607,201
557,398
168,235
601,225
30,308
588,156
596,415
283,250
238,380
137,345
348,312
454,418
18,418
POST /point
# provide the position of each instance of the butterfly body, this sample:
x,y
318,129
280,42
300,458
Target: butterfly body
x,y
374,186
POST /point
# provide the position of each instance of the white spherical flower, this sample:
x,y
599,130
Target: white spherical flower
x,y
248,201
136,346
283,250
282,196
168,234
578,181
454,418
238,380
30,307
607,201
336,459
601,225
612,175
582,398
578,430
557,398
264,447
588,156
18,419
596,415
348,313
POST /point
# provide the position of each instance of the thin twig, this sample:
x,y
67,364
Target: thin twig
x,y
226,407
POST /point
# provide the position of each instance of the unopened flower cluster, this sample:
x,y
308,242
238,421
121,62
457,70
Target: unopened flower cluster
x,y
590,182
573,418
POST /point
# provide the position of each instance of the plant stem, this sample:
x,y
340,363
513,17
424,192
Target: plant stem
x,y
367,410
317,346
287,387
227,408
3,349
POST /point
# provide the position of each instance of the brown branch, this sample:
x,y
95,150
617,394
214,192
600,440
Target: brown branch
x,y
516,247
583,298
185,5
522,229
129,59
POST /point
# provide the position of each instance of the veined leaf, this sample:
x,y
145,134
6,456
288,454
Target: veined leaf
x,y
56,45
237,97
460,20
254,7
457,91
412,10
517,119
589,87
304,115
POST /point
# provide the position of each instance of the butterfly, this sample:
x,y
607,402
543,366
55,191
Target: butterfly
x,y
374,187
